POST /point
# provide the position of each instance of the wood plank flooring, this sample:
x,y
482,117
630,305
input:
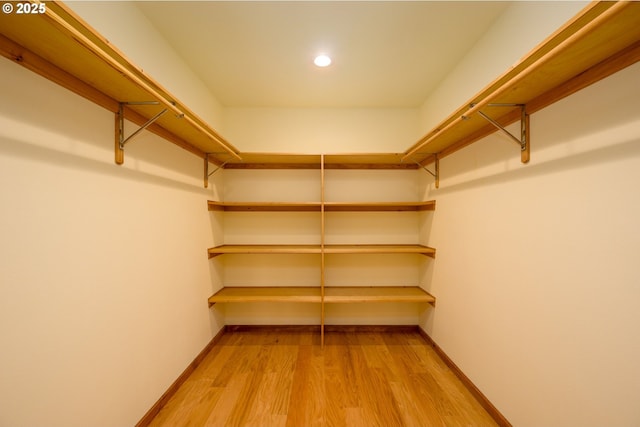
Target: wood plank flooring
x,y
282,377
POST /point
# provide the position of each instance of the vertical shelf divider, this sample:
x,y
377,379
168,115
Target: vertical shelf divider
x,y
322,272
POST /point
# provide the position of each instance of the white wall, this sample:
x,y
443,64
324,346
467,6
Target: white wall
x,y
103,269
318,130
536,275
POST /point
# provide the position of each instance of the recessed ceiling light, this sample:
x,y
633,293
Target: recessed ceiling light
x,y
322,61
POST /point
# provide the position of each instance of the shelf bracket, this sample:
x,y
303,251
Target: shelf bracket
x,y
523,140
120,140
207,174
435,174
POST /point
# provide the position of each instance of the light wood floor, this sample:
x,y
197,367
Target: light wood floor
x,y
262,378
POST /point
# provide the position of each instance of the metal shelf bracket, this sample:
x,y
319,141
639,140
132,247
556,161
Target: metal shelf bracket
x,y
207,174
435,174
120,139
523,141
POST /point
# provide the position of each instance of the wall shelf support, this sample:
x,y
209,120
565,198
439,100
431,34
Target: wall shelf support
x,y
121,141
523,140
435,174
207,174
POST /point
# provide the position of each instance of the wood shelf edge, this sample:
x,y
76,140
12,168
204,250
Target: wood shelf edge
x,y
379,206
313,294
322,249
317,206
379,249
264,206
263,249
365,294
239,294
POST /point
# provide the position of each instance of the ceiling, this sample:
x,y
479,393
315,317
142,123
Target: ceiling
x,y
386,54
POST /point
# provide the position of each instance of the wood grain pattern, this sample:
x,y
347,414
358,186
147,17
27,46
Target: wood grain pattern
x,y
283,377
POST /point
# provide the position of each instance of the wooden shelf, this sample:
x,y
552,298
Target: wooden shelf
x,y
323,210
318,249
601,40
63,48
317,206
264,206
352,294
264,249
379,206
275,161
267,294
380,249
368,161
332,294
314,161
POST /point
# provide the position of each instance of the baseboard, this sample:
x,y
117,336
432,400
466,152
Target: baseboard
x,y
475,391
151,413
